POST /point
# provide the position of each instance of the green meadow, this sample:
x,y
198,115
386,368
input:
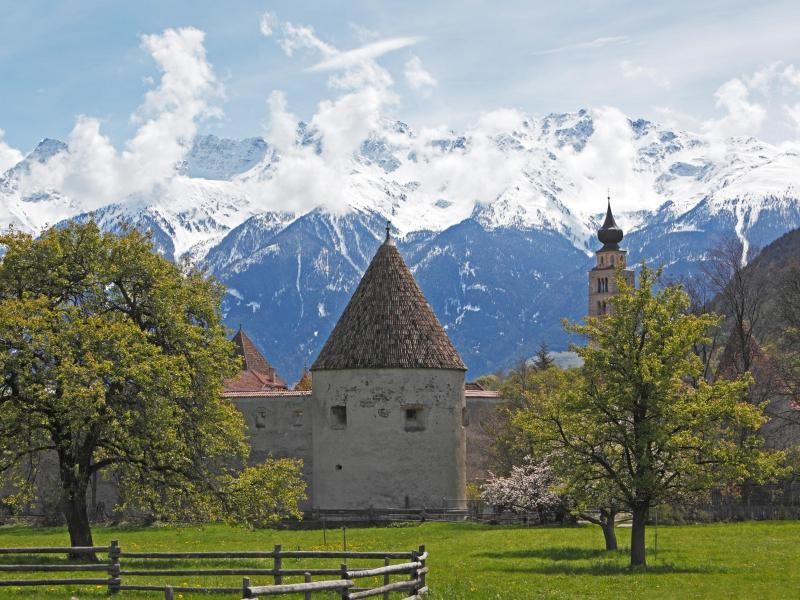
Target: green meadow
x,y
472,561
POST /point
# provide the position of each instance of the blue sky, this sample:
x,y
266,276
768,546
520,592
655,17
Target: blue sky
x,y
660,60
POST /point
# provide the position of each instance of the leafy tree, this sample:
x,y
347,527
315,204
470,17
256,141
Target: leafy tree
x,y
542,359
589,498
519,391
642,421
264,495
112,358
489,381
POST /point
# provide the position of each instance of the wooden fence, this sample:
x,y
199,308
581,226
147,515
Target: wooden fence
x,y
122,566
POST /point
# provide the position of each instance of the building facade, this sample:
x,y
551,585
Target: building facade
x,y
388,421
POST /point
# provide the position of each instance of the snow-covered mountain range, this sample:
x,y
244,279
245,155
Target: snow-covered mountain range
x,y
498,226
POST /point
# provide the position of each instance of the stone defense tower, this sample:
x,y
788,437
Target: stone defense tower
x,y
602,284
388,399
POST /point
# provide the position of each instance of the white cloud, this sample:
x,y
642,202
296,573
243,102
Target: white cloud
x,y
8,156
95,172
417,76
302,36
305,176
631,70
743,117
266,24
371,51
764,103
608,161
600,42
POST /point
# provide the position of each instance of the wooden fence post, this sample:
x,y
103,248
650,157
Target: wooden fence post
x,y
307,579
114,578
386,578
422,571
246,587
413,575
168,593
278,564
343,575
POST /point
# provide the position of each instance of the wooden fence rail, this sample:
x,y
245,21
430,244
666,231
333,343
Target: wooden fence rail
x,y
346,584
118,572
111,567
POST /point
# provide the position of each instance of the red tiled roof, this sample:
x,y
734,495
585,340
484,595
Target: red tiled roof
x,y
258,375
267,394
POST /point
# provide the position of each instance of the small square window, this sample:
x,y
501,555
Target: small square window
x,y
339,416
414,418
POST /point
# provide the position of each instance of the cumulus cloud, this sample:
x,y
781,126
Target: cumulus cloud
x,y
417,76
265,25
743,117
760,103
317,173
476,174
94,171
8,156
631,70
608,161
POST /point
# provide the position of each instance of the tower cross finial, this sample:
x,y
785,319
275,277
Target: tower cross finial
x,y
388,230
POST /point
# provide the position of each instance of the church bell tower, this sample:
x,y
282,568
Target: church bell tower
x,y
602,285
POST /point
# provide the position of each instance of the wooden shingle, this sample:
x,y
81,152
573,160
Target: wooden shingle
x,y
388,323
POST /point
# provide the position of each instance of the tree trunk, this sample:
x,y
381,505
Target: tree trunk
x,y
607,525
74,485
638,557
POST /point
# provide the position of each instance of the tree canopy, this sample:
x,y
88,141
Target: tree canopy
x,y
641,427
112,358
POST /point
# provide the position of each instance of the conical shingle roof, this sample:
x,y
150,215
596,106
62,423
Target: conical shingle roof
x,y
388,324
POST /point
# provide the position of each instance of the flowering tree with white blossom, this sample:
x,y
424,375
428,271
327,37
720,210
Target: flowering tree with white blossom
x,y
528,488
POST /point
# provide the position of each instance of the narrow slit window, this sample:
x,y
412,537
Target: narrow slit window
x,y
339,416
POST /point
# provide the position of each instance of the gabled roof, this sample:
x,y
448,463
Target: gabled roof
x,y
258,374
388,323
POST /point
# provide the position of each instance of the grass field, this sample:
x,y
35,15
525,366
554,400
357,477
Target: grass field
x,y
740,560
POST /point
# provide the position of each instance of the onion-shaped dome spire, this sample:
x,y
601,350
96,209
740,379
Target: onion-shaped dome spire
x,y
610,233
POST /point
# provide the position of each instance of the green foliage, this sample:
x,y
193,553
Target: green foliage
x,y
112,358
523,390
264,495
639,423
489,382
542,359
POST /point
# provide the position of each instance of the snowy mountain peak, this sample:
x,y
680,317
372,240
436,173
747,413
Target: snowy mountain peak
x,y
220,158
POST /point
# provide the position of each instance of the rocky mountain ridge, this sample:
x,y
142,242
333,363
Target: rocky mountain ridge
x,y
497,225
